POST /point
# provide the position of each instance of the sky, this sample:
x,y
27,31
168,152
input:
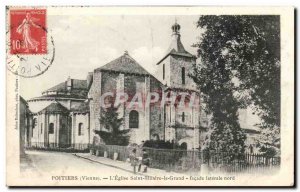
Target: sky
x,y
84,43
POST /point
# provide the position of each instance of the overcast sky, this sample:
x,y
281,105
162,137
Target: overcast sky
x,y
84,43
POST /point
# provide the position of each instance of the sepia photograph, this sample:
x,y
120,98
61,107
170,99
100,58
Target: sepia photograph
x,y
150,96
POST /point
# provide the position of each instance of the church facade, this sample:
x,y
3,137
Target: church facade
x,y
69,113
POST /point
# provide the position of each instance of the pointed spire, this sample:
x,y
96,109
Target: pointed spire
x,y
176,47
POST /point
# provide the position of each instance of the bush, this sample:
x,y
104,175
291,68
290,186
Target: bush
x,y
160,144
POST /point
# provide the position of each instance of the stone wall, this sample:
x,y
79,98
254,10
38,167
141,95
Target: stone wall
x,y
137,85
55,119
159,71
176,64
76,120
62,129
189,136
156,112
94,95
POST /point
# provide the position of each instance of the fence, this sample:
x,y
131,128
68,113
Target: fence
x,y
242,163
72,148
122,151
192,160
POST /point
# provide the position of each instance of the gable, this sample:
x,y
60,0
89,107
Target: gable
x,y
124,64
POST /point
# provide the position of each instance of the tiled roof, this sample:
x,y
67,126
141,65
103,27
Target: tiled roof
x,y
79,90
23,101
57,97
81,107
176,47
76,84
79,84
183,53
59,87
125,64
54,107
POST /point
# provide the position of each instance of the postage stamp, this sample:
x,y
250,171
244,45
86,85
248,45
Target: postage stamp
x,y
30,47
28,34
196,96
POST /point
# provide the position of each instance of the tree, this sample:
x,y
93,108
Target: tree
x,y
112,135
245,52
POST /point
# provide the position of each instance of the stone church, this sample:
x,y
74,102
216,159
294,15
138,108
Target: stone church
x,y
68,114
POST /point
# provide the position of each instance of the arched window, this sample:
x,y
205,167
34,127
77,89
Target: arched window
x,y
183,146
183,75
80,127
183,117
133,119
51,128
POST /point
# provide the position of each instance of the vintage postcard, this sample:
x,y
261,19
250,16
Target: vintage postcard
x,y
150,96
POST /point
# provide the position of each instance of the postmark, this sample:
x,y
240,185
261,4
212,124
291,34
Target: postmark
x,y
30,48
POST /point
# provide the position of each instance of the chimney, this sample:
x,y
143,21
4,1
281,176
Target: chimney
x,y
69,84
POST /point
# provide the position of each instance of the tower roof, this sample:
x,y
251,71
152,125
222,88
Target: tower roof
x,y
125,64
80,108
176,47
76,84
54,107
71,88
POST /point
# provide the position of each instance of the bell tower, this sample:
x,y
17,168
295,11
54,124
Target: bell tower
x,y
181,123
175,67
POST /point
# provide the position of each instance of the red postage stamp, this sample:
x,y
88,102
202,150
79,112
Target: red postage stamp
x,y
28,34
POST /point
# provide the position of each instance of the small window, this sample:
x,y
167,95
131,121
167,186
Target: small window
x,y
183,75
80,127
41,128
183,117
163,71
133,119
51,128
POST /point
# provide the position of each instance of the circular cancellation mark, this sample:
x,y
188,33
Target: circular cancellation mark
x,y
30,50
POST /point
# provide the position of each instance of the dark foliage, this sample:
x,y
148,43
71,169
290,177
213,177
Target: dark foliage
x,y
112,135
160,144
240,67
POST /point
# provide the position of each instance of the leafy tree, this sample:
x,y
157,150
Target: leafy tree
x,y
112,135
241,67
